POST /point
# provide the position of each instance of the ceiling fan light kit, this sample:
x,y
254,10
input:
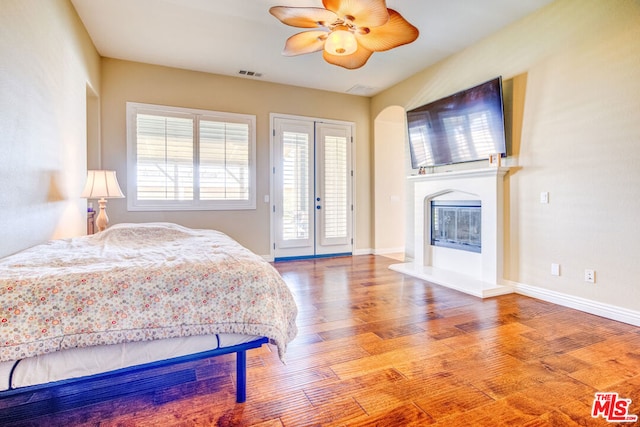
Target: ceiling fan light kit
x,y
341,42
346,31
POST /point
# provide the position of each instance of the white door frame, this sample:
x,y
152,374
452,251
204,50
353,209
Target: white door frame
x,y
272,117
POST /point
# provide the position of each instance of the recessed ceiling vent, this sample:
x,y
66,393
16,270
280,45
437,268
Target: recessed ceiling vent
x,y
249,73
362,90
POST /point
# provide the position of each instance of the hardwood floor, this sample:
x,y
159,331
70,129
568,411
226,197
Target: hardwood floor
x,y
379,348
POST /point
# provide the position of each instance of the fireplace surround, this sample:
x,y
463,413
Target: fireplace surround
x,y
476,273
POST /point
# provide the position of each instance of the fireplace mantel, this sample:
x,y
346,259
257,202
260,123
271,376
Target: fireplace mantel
x,y
478,274
462,173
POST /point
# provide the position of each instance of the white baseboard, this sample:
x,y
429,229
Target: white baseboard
x,y
386,251
367,251
608,311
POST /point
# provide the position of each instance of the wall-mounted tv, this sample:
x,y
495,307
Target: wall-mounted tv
x,y
463,127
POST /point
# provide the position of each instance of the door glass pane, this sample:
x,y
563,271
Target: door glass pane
x,y
335,187
295,185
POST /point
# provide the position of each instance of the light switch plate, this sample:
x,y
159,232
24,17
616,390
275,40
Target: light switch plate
x,y
544,197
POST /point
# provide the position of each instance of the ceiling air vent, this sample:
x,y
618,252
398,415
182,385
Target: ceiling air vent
x,y
362,90
249,73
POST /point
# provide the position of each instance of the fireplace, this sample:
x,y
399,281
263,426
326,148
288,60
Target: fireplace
x,y
457,224
477,269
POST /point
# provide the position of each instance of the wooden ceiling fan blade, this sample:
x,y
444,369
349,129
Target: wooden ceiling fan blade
x,y
303,17
397,32
366,13
351,62
305,42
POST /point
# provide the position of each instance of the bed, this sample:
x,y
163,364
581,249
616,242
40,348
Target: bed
x,y
135,295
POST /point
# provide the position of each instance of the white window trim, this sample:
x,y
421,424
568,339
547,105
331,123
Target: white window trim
x,y
133,204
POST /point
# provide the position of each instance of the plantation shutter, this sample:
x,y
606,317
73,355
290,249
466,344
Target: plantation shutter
x,y
224,160
295,176
164,157
335,183
186,159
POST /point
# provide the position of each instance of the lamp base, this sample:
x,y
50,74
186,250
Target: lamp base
x,y
102,220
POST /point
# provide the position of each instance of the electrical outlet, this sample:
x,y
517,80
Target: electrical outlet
x,y
590,276
555,269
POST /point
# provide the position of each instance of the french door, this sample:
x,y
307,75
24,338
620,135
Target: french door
x,y
312,211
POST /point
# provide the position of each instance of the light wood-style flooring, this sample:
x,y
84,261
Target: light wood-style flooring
x,y
377,348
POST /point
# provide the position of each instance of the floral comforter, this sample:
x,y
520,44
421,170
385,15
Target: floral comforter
x,y
138,282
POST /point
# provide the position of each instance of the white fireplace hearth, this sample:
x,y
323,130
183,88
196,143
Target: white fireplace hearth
x,y
478,274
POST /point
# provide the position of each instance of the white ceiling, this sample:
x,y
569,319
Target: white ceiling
x,y
226,36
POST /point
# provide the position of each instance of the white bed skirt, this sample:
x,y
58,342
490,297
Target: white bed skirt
x,y
80,362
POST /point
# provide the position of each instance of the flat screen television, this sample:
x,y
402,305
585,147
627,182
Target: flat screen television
x,y
463,127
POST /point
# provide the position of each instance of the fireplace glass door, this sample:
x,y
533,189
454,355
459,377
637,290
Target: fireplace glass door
x,y
456,224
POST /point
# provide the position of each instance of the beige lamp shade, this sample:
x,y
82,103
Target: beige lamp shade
x,y
102,184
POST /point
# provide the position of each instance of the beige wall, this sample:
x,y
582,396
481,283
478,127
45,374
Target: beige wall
x,y
574,70
47,62
124,81
388,184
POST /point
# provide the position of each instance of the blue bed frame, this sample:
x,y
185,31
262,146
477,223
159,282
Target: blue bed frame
x,y
75,392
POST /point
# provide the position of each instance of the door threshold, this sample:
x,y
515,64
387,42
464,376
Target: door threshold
x,y
297,258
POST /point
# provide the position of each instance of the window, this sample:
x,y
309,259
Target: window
x,y
184,159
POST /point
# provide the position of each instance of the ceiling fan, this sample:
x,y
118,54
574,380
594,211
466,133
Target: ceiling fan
x,y
349,31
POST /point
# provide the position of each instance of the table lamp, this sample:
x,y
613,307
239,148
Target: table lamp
x,y
102,185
